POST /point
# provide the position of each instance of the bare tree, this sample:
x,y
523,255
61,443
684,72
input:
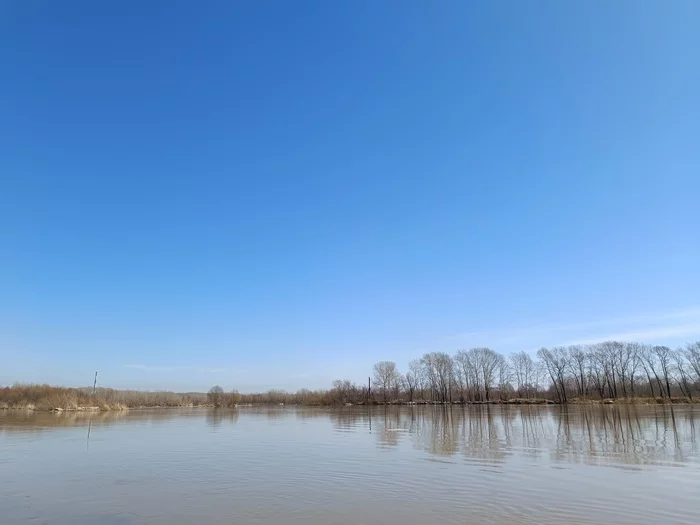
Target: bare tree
x,y
692,355
233,398
463,372
611,351
650,366
386,376
215,396
635,350
470,368
556,363
577,362
597,369
504,376
663,357
683,370
523,372
438,368
625,361
412,378
486,361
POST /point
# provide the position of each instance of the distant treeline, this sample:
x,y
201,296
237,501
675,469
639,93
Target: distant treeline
x,y
605,371
610,370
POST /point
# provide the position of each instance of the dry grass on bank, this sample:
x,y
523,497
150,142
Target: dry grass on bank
x,y
46,397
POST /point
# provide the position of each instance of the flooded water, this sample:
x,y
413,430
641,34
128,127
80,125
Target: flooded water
x,y
352,466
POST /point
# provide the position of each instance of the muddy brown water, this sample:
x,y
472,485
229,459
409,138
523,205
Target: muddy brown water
x,y
353,466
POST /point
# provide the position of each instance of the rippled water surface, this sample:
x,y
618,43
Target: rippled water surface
x,y
385,465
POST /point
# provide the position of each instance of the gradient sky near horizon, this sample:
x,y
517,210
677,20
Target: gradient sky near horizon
x,y
277,194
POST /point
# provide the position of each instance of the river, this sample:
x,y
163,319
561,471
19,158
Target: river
x,y
352,466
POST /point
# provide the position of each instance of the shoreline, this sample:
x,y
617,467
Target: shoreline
x,y
510,402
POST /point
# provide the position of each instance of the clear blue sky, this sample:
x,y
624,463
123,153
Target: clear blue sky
x,y
277,194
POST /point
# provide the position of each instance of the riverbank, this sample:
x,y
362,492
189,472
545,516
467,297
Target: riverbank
x,y
102,408
54,398
542,401
57,399
517,402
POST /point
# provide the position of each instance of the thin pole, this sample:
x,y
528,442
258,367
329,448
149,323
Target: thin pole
x,y
369,388
94,385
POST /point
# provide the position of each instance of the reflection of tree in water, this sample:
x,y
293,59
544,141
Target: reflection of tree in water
x,y
216,417
625,434
530,427
590,434
391,424
349,418
486,438
435,429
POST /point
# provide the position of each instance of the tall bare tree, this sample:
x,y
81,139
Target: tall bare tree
x,y
577,362
438,367
663,357
692,355
684,372
412,378
504,376
650,366
464,372
556,363
386,376
523,372
486,361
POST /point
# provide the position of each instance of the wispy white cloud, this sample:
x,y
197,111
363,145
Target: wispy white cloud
x,y
169,368
652,335
651,327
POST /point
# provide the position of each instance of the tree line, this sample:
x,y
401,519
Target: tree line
x,y
607,370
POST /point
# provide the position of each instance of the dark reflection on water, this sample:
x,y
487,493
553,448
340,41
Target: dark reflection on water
x,y
351,465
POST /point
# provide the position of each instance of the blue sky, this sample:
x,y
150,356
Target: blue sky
x,y
278,194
